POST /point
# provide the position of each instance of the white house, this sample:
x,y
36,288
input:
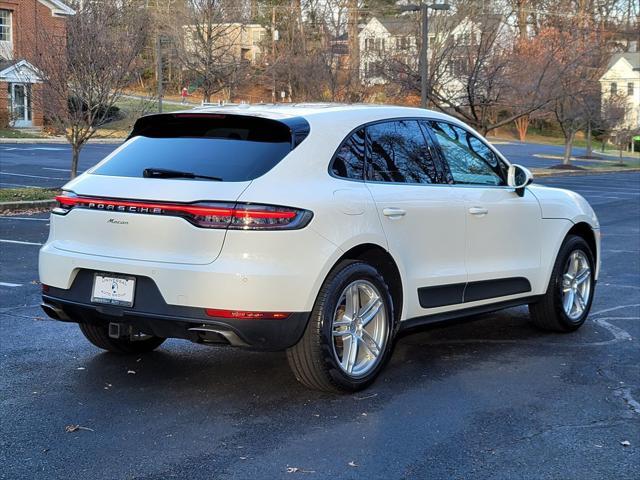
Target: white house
x,y
384,39
622,79
236,41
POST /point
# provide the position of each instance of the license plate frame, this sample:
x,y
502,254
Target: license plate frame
x,y
123,289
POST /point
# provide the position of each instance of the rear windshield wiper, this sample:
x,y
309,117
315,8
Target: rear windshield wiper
x,y
164,173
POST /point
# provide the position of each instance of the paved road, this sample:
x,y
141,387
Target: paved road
x,y
44,165
535,155
493,398
47,165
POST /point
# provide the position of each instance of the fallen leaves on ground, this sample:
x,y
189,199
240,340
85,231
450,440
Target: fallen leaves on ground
x,y
74,428
366,396
299,470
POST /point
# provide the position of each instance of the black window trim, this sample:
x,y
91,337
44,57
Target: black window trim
x,y
433,147
485,143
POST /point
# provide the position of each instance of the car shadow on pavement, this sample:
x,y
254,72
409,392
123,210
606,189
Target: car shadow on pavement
x,y
179,369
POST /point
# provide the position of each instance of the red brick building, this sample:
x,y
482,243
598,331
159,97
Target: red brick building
x,y
26,29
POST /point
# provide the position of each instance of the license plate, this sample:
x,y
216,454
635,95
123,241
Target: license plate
x,y
113,290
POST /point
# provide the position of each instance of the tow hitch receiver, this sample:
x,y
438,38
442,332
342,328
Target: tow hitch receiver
x,y
114,330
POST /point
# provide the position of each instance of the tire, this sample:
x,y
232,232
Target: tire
x,y
549,313
321,360
99,336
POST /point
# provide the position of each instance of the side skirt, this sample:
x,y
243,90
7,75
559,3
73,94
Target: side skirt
x,y
464,313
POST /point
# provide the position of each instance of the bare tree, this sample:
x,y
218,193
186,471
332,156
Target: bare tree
x,y
208,38
90,68
614,109
478,70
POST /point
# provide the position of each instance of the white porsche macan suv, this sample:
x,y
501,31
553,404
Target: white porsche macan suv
x,y
322,230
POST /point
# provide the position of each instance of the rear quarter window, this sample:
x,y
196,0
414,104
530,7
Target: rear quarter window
x,y
233,148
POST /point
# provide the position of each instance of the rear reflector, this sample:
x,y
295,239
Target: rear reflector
x,y
239,216
244,315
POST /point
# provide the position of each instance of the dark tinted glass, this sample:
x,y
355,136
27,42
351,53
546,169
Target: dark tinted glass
x,y
349,160
233,148
398,152
470,160
520,177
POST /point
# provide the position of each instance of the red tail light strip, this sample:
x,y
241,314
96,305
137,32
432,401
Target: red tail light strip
x,y
141,207
244,315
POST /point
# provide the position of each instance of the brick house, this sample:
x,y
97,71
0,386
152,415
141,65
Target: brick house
x,y
26,29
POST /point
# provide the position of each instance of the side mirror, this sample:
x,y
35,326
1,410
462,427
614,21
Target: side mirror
x,y
519,177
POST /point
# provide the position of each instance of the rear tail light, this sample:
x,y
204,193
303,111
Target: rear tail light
x,y
237,216
244,315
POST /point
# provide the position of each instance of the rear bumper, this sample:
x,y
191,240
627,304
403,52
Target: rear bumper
x,y
152,315
256,271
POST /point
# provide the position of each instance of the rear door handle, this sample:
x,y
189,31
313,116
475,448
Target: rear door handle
x,y
478,211
393,212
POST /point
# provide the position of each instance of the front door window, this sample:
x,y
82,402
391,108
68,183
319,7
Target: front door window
x,y
20,105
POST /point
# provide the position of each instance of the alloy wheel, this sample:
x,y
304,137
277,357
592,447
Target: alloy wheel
x,y
576,284
359,328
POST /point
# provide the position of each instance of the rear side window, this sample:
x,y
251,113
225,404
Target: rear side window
x,y
397,151
348,161
470,160
233,148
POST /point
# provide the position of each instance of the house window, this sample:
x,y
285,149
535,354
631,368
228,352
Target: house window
x,y
614,88
374,69
5,25
630,89
404,43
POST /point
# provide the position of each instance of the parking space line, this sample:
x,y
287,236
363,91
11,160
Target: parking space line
x,y
9,284
19,185
19,242
33,176
24,218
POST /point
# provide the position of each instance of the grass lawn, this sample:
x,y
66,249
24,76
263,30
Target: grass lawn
x,y
21,194
16,133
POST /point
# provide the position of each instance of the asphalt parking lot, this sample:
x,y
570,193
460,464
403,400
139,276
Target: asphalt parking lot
x,y
490,398
44,164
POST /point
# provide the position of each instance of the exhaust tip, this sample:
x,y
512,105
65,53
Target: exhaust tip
x,y
54,312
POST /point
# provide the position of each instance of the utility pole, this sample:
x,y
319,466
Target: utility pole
x,y
273,52
160,80
423,8
424,57
354,43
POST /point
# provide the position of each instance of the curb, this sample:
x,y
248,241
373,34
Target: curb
x,y
10,207
562,173
59,140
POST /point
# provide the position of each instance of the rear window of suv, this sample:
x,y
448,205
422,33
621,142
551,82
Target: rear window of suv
x,y
233,148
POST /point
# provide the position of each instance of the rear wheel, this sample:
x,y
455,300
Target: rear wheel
x,y
566,305
349,336
99,336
